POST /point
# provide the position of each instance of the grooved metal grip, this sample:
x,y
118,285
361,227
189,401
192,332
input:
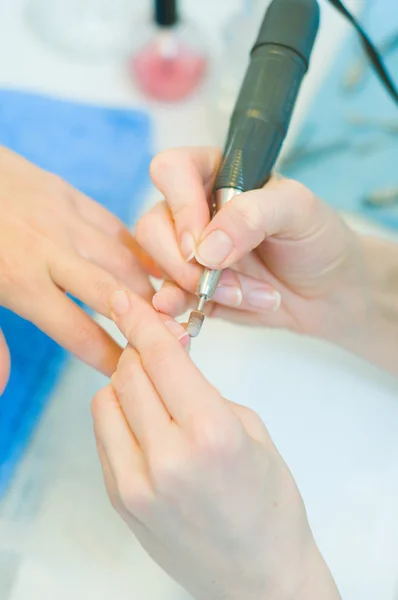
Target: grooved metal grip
x,y
262,114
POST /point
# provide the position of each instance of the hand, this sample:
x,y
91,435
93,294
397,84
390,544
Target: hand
x,y
196,477
289,259
54,240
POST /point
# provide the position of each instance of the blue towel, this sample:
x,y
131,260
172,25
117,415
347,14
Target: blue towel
x,y
103,152
345,178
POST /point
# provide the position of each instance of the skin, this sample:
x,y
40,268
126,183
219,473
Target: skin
x,y
291,261
54,240
196,477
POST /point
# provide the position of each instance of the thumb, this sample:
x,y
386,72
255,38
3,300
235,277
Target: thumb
x,y
4,363
283,208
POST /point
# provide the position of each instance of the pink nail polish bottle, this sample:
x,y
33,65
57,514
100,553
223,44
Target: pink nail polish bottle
x,y
169,63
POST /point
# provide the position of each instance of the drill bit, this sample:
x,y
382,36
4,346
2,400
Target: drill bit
x,y
196,319
207,287
210,278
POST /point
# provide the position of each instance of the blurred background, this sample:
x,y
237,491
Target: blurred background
x,y
91,90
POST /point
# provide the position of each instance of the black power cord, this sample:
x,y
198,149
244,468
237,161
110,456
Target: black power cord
x,y
371,51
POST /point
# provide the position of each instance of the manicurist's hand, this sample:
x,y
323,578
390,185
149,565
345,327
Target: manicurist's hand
x,y
289,259
54,241
196,477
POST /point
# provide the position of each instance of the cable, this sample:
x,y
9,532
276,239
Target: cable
x,y
371,51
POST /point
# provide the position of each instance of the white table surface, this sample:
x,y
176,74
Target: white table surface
x,y
333,417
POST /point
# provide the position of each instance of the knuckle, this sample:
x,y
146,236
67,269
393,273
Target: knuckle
x,y
16,281
103,289
169,472
102,400
85,336
133,325
217,437
135,496
298,190
246,215
58,187
185,278
96,406
125,377
114,498
127,261
159,353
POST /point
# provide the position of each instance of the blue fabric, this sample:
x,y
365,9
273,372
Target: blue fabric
x,y
345,178
103,152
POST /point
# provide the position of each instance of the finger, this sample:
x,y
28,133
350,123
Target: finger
x,y
114,257
281,319
144,410
62,320
156,234
234,290
4,363
179,383
284,209
110,225
174,301
125,459
110,483
96,215
146,261
84,280
182,176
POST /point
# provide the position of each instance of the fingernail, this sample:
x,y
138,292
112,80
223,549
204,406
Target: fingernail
x,y
228,295
264,300
119,303
214,249
154,302
187,246
176,329
186,344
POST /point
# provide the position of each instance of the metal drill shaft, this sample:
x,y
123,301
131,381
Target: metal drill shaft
x,y
261,116
210,278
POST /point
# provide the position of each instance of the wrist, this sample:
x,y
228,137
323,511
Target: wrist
x,y
307,578
317,580
369,315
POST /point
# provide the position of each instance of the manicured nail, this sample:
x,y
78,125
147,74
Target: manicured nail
x,y
186,344
187,246
214,249
154,302
176,329
264,299
228,295
119,303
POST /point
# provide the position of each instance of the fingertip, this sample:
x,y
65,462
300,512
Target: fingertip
x,y
5,363
170,300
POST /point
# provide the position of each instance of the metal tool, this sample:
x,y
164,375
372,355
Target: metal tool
x,y
262,113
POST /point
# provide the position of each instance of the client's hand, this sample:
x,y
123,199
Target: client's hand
x,y
53,241
196,477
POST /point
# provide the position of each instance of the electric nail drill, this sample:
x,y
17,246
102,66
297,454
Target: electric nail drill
x,y
260,120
